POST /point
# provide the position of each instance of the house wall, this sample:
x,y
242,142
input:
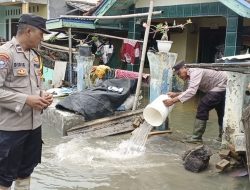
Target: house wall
x,y
56,9
38,9
179,44
246,22
202,9
14,12
8,12
192,44
186,44
143,3
2,21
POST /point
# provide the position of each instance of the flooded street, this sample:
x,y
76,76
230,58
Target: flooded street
x,y
77,163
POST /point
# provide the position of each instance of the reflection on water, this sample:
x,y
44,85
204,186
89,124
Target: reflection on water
x,y
78,163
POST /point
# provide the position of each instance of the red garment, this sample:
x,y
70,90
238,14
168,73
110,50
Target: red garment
x,y
123,74
130,50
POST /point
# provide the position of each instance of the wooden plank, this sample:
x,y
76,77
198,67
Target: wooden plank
x,y
159,132
116,124
105,129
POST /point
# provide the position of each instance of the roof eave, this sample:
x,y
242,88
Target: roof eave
x,y
238,6
69,23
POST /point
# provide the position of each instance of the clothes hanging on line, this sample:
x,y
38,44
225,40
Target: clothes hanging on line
x,y
105,50
107,53
130,50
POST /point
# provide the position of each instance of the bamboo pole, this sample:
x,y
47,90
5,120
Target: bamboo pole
x,y
70,56
144,49
110,36
113,17
56,47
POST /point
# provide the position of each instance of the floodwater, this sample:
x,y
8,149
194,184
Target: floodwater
x,y
78,163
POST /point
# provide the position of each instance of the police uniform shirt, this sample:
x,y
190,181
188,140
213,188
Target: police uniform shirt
x,y
20,76
205,80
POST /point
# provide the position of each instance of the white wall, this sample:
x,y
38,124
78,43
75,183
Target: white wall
x,y
145,3
56,9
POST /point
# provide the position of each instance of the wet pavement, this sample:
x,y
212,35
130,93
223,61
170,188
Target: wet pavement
x,y
77,163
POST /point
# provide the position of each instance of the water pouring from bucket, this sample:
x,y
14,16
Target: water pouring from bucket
x,y
156,112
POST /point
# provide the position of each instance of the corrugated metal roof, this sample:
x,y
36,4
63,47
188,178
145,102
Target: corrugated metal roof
x,y
84,5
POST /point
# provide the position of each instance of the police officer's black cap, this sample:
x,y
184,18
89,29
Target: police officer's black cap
x,y
178,65
34,20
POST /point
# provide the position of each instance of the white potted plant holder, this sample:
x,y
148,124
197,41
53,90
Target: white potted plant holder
x,y
164,45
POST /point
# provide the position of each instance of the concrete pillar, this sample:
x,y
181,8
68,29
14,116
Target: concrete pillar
x,y
160,74
84,67
235,102
25,8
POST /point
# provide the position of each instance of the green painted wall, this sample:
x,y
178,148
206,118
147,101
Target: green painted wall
x,y
2,21
8,12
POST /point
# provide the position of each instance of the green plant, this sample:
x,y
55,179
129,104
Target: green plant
x,y
53,38
163,28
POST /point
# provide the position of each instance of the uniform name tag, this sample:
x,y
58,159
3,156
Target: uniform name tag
x,y
19,65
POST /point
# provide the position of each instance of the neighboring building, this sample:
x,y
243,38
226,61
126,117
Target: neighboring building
x,y
10,11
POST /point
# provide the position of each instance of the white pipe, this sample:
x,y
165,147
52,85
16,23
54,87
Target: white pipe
x,y
112,17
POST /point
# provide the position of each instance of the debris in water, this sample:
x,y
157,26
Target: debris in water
x,y
197,159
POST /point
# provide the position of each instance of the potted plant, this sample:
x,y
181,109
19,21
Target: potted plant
x,y
164,44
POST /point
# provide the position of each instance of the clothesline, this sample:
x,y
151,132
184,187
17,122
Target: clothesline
x,y
110,36
57,47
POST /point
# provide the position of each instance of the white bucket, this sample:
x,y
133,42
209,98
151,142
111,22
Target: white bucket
x,y
156,112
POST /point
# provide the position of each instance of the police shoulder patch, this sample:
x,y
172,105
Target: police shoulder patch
x,y
4,59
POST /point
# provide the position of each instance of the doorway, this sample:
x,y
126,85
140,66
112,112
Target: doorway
x,y
14,23
209,42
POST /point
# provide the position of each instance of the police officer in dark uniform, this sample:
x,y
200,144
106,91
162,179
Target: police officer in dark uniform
x,y
21,103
